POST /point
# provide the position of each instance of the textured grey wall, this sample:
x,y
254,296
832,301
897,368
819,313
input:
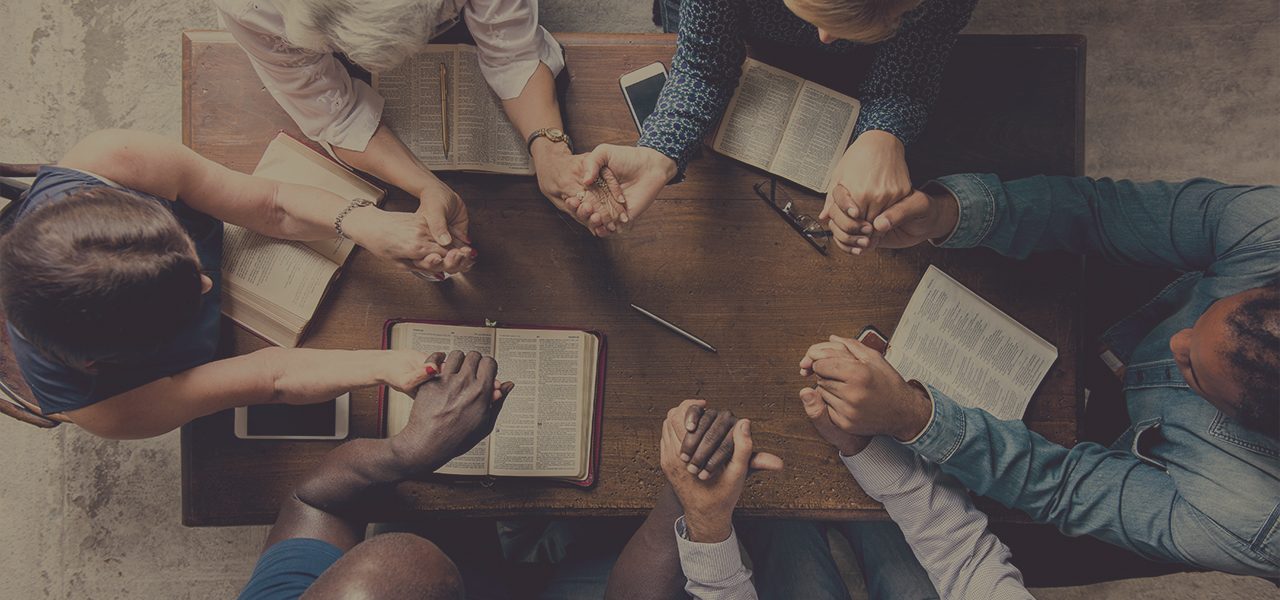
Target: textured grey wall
x,y
1175,89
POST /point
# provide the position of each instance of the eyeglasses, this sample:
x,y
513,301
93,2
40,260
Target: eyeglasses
x,y
812,230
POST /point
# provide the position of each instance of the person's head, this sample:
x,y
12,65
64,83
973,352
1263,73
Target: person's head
x,y
100,276
391,566
375,35
862,21
1231,357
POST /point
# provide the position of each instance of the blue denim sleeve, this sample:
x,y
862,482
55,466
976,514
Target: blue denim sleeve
x,y
1231,232
906,73
1085,490
704,71
287,569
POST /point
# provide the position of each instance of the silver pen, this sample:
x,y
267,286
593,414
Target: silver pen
x,y
688,336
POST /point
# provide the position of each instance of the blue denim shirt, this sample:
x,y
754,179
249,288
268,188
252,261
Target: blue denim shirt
x,y
1200,489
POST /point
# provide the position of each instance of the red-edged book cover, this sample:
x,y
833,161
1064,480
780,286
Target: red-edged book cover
x,y
593,456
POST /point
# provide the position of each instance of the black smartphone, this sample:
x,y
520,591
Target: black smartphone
x,y
320,421
641,88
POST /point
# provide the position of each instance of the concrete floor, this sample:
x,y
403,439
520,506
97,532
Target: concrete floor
x,y
1176,88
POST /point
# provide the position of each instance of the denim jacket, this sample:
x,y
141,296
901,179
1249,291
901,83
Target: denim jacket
x,y
1185,483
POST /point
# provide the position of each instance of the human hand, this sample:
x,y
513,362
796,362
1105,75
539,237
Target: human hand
x,y
818,412
452,412
447,221
918,217
871,176
558,173
864,394
635,176
708,504
405,370
707,444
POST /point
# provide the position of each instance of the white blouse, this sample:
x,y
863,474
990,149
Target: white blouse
x,y
332,108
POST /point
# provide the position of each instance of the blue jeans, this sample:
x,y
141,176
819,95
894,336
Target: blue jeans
x,y
1186,483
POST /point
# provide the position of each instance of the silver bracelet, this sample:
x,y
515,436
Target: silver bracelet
x,y
337,223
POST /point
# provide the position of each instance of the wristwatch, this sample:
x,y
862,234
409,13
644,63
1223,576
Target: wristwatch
x,y
553,135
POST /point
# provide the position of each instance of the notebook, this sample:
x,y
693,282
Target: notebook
x,y
550,424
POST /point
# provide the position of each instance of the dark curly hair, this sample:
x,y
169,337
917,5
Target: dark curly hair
x,y
1255,327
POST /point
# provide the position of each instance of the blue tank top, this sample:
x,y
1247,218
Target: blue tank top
x,y
58,387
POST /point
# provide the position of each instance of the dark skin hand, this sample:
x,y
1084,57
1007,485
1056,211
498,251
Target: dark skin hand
x,y
450,414
707,444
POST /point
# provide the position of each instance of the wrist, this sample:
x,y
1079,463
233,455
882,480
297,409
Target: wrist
x,y
881,140
708,528
662,163
544,149
920,413
853,445
361,223
946,210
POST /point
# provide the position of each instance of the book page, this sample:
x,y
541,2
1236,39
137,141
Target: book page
x,y
960,344
816,136
285,273
482,136
428,338
539,432
411,104
756,118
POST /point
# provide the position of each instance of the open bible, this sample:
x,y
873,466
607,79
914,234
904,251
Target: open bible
x,y
272,287
550,424
952,339
793,128
439,93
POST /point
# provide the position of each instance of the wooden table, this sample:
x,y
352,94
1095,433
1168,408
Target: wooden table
x,y
709,255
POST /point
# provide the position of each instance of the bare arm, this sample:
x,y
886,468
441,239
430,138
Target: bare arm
x,y
649,566
272,375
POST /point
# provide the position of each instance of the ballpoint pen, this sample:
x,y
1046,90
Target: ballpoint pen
x,y
444,107
688,336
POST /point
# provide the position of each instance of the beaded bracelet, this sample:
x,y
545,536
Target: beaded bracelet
x,y
337,223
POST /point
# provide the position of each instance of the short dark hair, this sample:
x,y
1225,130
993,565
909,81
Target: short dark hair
x,y
1255,327
101,275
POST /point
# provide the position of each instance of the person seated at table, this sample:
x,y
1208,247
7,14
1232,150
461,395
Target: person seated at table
x,y
913,40
1196,479
793,559
292,44
109,280
317,545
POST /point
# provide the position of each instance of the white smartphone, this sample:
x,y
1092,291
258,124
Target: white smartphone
x,y
641,88
321,421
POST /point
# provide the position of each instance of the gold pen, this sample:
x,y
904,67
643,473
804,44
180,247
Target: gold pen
x,y
444,110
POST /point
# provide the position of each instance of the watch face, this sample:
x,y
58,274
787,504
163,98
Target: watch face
x,y
555,135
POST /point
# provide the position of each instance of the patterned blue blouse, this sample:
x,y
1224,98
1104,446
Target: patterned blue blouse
x,y
710,48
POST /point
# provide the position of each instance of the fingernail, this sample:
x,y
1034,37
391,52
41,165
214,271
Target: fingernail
x,y
431,370
625,218
692,469
704,475
852,213
474,255
857,251
684,457
445,240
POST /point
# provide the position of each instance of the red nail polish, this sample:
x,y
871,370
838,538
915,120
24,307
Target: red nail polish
x,y
431,370
474,254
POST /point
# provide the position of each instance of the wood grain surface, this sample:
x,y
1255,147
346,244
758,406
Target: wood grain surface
x,y
709,256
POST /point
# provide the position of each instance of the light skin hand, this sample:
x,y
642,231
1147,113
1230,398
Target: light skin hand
x,y
451,412
708,504
635,175
819,414
864,394
922,215
447,219
871,176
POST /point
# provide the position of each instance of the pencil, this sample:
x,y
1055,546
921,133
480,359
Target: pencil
x,y
444,106
685,334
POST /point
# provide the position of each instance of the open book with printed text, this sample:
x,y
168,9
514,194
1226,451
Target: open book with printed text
x,y
952,339
270,286
790,127
549,426
481,138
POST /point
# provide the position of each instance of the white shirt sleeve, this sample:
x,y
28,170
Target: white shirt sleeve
x,y
714,571
947,534
313,87
510,43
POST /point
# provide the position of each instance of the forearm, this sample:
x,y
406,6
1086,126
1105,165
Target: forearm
x,y
388,159
537,106
649,566
321,506
947,534
304,375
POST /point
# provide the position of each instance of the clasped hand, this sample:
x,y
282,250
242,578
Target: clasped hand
x,y
432,239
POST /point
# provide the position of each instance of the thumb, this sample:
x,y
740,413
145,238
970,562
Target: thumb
x,y
764,461
912,207
592,163
741,460
437,221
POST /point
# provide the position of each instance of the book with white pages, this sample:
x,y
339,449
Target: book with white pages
x,y
550,424
481,138
786,125
272,287
957,342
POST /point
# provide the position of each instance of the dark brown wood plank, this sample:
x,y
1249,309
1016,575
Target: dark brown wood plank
x,y
709,255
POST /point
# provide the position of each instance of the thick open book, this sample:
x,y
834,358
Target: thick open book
x,y
790,127
952,339
550,424
272,287
480,136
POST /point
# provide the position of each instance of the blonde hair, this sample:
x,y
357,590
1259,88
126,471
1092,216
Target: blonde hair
x,y
375,35
864,21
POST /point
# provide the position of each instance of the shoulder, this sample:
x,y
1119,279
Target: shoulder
x,y
137,160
